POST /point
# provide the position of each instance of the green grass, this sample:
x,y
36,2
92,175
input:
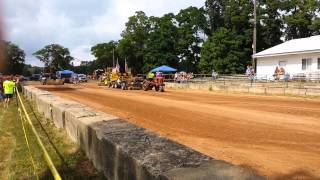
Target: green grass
x,y
15,161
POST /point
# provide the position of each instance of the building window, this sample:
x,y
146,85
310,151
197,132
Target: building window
x,y
306,64
282,63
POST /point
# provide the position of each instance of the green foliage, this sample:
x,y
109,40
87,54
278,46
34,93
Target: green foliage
x,y
215,10
228,48
55,57
300,18
218,36
104,53
133,43
15,58
221,52
191,24
28,70
269,28
315,26
86,67
160,46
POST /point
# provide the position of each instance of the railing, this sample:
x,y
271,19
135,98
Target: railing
x,y
25,116
295,80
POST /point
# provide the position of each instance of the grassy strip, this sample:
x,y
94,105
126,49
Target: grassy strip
x,y
15,161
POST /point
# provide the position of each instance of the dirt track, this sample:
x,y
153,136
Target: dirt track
x,y
277,136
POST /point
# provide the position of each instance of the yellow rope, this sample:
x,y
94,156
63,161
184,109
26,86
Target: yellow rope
x,y
50,164
28,145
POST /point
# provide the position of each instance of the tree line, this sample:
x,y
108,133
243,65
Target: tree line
x,y
216,36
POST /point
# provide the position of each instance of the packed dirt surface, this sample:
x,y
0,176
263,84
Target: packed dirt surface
x,y
279,137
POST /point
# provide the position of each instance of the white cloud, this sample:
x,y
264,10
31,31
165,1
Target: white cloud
x,y
76,24
81,53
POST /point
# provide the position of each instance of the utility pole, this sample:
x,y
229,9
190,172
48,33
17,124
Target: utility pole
x,y
113,58
254,45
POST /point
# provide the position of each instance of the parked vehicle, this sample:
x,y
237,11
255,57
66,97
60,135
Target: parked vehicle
x,y
82,78
35,77
66,75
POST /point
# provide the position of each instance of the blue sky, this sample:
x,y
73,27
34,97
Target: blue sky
x,y
76,24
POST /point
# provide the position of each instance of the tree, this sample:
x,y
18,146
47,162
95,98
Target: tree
x,y
86,67
315,26
161,44
228,47
55,57
104,53
14,58
224,53
133,42
214,10
28,70
270,24
191,25
299,18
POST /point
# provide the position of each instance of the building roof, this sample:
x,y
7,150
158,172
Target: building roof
x,y
295,46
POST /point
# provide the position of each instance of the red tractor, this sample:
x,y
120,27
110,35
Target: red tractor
x,y
157,83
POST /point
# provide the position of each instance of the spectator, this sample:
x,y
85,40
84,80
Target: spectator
x,y
279,71
8,87
214,75
76,79
158,74
183,77
150,76
249,70
176,77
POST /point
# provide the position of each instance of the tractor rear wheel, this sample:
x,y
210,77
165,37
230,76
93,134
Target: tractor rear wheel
x,y
145,86
161,88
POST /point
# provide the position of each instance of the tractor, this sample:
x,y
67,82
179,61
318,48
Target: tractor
x,y
131,83
105,78
51,79
157,83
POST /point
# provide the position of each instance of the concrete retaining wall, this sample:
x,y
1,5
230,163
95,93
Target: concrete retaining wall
x,y
123,151
247,89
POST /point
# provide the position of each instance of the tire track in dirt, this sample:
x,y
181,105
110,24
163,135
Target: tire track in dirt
x,y
244,130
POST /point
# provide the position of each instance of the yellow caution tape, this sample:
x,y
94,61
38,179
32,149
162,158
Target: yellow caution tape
x,y
50,164
28,145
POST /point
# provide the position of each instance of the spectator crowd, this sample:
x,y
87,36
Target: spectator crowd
x,y
182,77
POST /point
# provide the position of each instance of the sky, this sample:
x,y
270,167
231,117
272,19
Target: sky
x,y
76,24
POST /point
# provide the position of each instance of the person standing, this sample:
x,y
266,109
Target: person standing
x,y
214,75
8,86
150,76
249,70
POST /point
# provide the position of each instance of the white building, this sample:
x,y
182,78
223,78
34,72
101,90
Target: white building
x,y
298,57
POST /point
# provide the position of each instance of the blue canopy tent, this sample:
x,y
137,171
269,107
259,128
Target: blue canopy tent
x,y
64,73
67,72
164,69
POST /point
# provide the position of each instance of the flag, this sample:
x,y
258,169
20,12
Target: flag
x,y
117,67
126,69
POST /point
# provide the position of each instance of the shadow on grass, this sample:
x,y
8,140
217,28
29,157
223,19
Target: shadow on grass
x,y
69,160
83,169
